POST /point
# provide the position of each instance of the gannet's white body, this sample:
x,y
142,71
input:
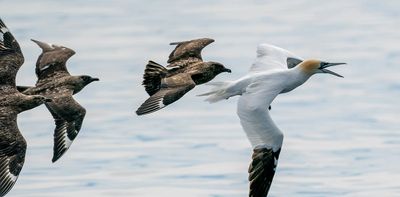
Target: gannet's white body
x,y
274,71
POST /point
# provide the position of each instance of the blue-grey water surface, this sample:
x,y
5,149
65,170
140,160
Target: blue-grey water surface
x,y
342,136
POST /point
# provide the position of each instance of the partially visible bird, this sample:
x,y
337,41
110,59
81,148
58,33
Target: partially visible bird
x,y
186,70
12,102
274,72
55,82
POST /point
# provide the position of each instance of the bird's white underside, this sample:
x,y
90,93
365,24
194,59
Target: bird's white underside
x,y
266,79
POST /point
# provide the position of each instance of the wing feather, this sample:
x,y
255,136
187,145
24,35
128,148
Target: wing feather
x,y
263,134
11,57
12,154
187,52
68,117
270,57
254,115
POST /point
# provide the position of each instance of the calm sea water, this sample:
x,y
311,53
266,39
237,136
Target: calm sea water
x,y
342,136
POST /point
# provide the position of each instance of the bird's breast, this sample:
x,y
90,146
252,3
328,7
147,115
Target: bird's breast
x,y
201,78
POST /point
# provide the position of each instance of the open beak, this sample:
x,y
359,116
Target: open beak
x,y
324,70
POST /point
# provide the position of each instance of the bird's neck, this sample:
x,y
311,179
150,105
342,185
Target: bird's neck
x,y
296,78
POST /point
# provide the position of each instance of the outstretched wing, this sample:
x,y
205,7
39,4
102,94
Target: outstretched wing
x,y
11,58
262,132
68,116
12,154
187,51
167,94
52,61
270,57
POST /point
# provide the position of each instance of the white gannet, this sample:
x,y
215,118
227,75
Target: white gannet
x,y
274,71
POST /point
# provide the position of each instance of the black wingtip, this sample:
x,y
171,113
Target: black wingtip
x,y
152,104
2,23
58,155
146,110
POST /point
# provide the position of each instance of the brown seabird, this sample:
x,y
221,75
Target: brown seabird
x,y
55,82
12,102
186,70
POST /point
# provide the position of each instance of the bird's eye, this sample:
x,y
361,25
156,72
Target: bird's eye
x,y
323,64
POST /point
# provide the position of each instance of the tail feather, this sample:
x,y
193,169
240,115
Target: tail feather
x,y
220,91
153,74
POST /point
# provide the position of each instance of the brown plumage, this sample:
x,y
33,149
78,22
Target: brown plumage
x,y
12,102
186,70
55,82
187,52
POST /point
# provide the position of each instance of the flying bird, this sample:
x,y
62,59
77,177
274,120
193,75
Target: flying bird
x,y
12,102
275,71
55,82
186,69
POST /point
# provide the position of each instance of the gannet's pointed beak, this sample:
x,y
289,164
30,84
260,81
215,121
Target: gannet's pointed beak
x,y
325,65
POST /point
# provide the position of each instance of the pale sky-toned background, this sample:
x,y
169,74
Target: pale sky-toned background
x,y
341,135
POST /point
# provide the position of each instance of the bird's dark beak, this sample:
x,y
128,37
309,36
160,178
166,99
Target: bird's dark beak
x,y
227,70
44,46
48,100
94,79
326,65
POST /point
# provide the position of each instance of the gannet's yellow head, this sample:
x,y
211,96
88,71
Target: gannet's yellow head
x,y
312,66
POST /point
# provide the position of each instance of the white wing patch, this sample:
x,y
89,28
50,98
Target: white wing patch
x,y
61,140
4,29
7,179
11,176
161,103
67,141
46,67
154,103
